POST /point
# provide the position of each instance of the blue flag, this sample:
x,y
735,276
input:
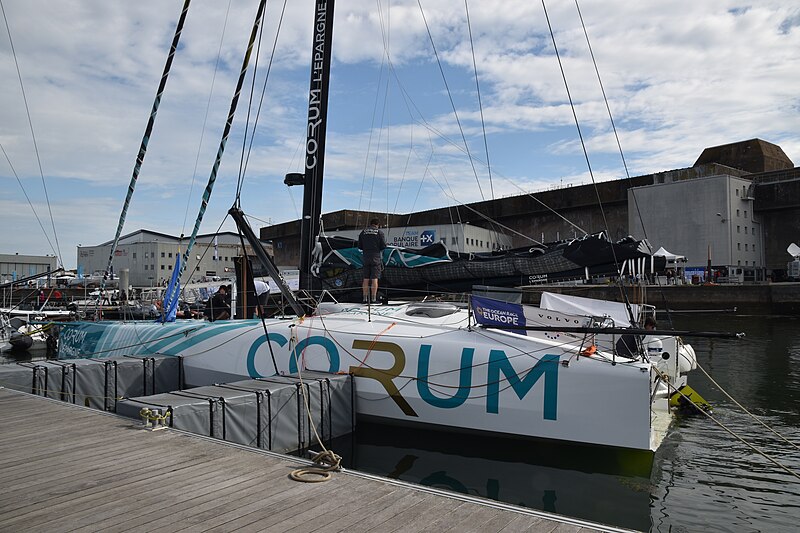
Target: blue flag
x,y
172,295
490,312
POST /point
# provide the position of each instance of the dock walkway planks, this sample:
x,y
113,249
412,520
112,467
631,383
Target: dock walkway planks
x,y
68,468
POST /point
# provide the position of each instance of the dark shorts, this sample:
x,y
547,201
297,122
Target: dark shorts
x,y
373,266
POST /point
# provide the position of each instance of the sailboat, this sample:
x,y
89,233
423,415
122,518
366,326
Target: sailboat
x,y
486,366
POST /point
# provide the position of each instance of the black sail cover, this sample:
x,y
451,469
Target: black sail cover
x,y
435,268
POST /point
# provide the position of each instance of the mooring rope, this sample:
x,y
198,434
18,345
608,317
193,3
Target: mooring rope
x,y
743,408
325,462
732,433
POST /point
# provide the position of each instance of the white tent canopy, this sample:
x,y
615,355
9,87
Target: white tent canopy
x,y
671,258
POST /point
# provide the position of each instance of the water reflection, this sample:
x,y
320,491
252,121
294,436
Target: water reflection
x,y
702,478
577,481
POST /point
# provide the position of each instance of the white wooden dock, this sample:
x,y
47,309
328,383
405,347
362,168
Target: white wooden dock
x,y
68,468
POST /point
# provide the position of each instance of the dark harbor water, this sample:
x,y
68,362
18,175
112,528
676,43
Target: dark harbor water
x,y
702,478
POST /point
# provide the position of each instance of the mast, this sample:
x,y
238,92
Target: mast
x,y
315,138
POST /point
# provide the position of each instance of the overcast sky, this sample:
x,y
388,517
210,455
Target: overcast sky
x,y
679,76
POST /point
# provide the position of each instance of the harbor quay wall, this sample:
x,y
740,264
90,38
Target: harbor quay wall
x,y
772,298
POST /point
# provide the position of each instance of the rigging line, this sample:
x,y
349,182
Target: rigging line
x,y
378,144
371,133
425,124
431,129
586,157
449,187
480,102
405,171
46,236
450,96
386,104
223,141
300,144
619,146
33,135
208,247
419,189
205,117
240,177
145,139
246,266
481,215
610,116
264,88
385,57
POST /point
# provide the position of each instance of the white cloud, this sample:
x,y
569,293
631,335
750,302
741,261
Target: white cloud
x,y
680,76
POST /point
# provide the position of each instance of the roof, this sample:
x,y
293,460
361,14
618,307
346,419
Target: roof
x,y
145,235
754,155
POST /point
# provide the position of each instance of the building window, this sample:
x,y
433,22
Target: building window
x,y
162,267
226,258
170,267
162,254
197,268
737,212
134,255
170,255
147,255
145,267
454,240
745,230
738,229
745,247
745,213
152,267
737,192
739,262
738,246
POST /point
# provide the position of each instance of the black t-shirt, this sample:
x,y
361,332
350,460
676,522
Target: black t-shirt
x,y
371,241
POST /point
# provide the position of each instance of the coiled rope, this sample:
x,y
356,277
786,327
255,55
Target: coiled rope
x,y
325,462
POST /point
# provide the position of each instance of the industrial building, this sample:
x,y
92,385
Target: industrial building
x,y
16,266
457,237
150,257
738,202
707,219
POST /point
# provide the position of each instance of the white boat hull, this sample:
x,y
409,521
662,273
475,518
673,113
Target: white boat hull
x,y
416,369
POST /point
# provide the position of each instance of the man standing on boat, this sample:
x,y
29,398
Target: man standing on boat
x,y
218,307
371,242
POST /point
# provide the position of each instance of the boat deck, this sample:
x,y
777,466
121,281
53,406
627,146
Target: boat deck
x,y
69,468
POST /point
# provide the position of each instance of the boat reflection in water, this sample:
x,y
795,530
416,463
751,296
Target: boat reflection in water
x,y
604,485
